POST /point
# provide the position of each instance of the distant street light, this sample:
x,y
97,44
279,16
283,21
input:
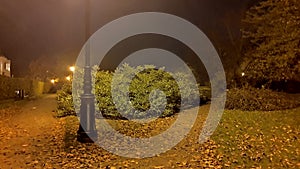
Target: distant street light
x,y
52,81
72,68
68,78
87,132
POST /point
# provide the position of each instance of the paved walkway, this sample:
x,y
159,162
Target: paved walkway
x,y
23,129
30,137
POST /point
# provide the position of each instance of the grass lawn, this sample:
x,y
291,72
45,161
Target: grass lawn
x,y
253,139
259,139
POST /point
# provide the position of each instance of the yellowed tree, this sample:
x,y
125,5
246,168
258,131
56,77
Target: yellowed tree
x,y
272,53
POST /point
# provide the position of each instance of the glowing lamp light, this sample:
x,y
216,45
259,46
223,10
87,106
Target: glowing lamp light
x,y
72,68
68,78
243,74
52,81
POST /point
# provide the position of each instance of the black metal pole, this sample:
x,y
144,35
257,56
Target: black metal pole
x,y
87,132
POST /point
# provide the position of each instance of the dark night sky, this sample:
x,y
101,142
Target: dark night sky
x,y
55,28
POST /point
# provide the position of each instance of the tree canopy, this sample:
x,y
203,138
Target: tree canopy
x,y
271,33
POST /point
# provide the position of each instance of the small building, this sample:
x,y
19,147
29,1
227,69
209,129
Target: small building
x,y
5,66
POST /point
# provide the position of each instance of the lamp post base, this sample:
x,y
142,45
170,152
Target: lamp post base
x,y
86,137
87,132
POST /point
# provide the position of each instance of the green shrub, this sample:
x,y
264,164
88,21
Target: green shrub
x,y
65,104
132,88
104,101
144,82
205,94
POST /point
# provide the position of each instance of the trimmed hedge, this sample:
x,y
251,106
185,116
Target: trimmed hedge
x,y
8,86
65,101
250,99
143,82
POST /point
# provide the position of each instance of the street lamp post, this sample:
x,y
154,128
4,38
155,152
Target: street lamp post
x,y
87,132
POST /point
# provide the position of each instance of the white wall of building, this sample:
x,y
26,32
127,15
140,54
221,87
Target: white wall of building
x,y
5,66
